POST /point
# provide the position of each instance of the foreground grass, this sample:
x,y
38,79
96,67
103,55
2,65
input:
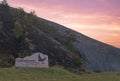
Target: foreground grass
x,y
52,74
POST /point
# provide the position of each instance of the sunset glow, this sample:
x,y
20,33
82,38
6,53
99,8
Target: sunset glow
x,y
99,19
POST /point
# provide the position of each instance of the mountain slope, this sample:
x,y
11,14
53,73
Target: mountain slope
x,y
24,38
64,46
97,56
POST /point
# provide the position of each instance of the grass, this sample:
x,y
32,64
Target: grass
x,y
53,74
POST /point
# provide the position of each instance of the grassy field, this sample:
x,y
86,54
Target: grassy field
x,y
52,74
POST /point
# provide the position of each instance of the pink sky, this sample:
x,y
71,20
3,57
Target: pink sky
x,y
99,19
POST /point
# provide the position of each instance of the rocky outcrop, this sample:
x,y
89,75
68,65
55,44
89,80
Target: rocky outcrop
x,y
98,56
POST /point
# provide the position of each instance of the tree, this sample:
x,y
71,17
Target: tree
x,y
4,6
5,16
4,2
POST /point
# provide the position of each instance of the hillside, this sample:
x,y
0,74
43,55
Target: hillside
x,y
21,35
24,33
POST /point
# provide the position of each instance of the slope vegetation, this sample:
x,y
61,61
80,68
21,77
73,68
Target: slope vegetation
x,y
24,33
